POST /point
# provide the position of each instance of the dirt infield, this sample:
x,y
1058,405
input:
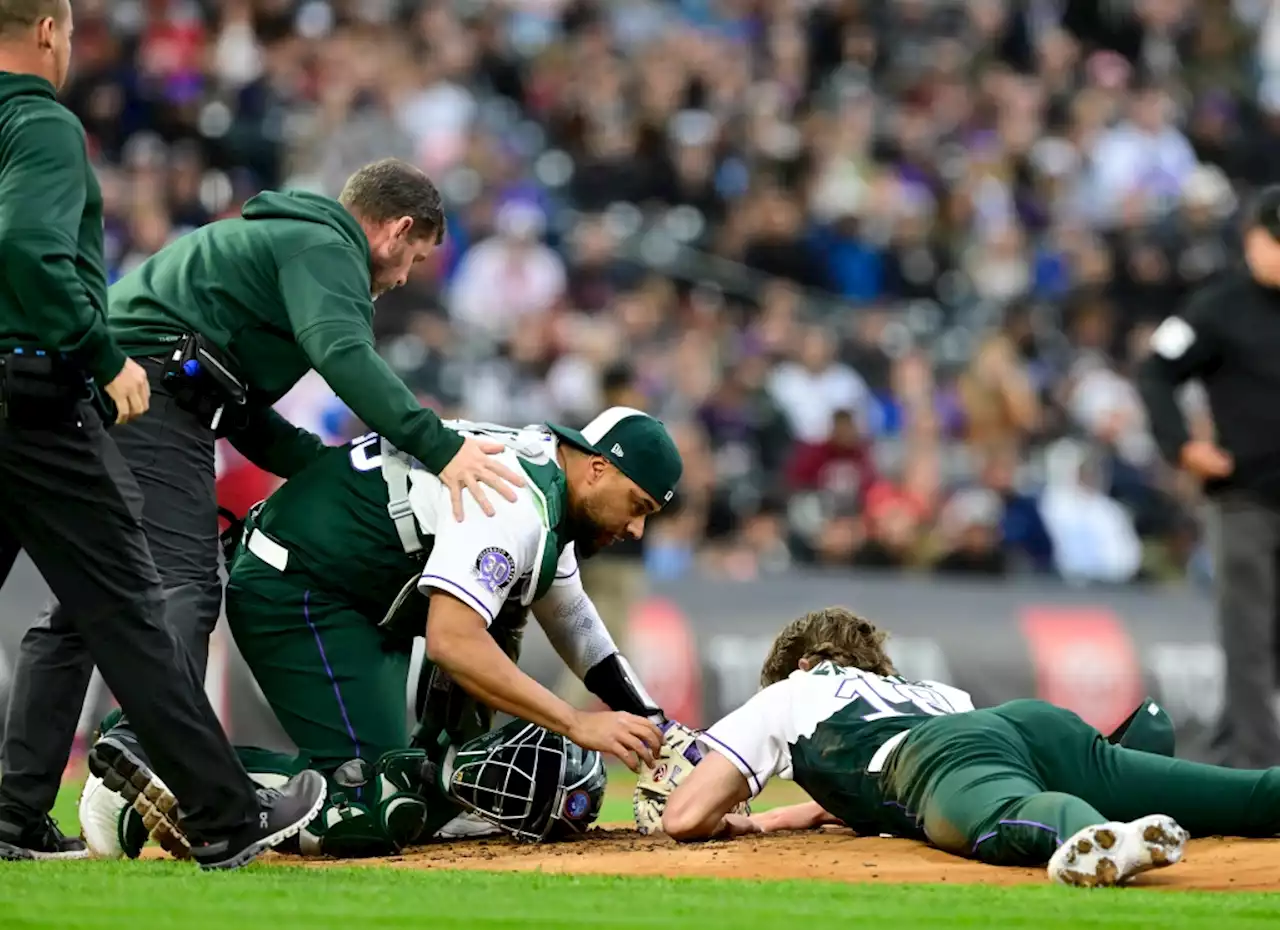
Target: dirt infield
x,y
832,855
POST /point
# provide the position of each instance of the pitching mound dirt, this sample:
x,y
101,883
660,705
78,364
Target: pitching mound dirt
x,y
832,855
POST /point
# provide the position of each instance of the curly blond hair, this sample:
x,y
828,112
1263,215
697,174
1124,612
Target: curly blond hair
x,y
833,633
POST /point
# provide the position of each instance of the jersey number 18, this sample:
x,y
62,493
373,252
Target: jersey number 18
x,y
883,697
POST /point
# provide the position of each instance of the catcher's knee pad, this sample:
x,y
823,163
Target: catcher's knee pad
x,y
527,781
373,809
267,768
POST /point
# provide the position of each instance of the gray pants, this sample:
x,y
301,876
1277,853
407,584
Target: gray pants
x,y
171,456
1245,538
69,499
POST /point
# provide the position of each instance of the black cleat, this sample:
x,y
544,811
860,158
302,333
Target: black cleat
x,y
284,813
40,839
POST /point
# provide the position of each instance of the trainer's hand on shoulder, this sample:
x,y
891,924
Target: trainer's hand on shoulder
x,y
130,392
474,466
1206,460
632,739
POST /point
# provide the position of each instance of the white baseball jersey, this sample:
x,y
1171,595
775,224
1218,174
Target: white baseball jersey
x,y
484,560
758,737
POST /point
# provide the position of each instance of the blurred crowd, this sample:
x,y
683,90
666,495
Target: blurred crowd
x,y
885,266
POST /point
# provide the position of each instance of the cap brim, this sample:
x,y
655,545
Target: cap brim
x,y
574,438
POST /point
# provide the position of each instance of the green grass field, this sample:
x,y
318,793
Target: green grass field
x,y
118,895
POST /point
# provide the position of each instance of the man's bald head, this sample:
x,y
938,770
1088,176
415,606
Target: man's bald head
x,y
19,15
35,38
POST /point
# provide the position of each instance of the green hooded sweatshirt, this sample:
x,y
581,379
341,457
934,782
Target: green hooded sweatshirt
x,y
282,289
53,289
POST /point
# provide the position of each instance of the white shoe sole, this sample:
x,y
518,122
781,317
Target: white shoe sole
x,y
1111,854
77,854
255,849
11,853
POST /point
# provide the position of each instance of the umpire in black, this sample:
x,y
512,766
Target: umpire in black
x,y
66,495
1228,337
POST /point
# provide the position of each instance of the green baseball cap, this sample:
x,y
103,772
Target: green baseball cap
x,y
636,443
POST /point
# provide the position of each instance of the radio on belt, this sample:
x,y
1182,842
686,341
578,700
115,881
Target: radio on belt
x,y
201,382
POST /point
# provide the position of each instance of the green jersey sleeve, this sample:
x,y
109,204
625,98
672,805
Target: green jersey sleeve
x,y
43,190
326,294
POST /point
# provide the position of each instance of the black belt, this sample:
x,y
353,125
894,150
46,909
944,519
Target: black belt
x,y
39,388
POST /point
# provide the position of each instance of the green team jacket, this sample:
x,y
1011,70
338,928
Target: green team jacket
x,y
282,289
53,287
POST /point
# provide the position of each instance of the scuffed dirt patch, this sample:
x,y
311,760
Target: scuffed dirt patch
x,y
830,855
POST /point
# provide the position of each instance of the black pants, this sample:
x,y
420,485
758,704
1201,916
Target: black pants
x,y
70,501
1245,541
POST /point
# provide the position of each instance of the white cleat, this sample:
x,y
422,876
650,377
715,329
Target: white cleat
x,y
105,824
466,826
1112,853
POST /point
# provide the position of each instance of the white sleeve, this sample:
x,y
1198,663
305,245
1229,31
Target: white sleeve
x,y
480,559
571,621
754,737
567,566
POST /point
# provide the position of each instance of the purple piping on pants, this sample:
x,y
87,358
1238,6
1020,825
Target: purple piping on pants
x,y
337,692
1016,823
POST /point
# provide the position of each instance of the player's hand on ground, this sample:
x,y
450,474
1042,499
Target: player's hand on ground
x,y
632,739
806,816
1206,460
738,825
473,467
130,392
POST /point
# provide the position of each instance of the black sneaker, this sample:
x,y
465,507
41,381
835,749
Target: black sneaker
x,y
284,812
40,839
122,770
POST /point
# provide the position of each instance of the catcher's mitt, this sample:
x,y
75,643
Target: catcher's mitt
x,y
678,755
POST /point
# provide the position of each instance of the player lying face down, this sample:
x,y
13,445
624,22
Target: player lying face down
x,y
1024,783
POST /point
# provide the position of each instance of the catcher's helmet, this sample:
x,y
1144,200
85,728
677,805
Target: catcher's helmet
x,y
528,781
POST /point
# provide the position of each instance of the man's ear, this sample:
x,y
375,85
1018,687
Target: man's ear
x,y
599,465
45,30
401,228
805,664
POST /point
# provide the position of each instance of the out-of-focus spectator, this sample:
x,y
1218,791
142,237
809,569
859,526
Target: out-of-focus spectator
x,y
1093,536
1145,155
1023,536
840,468
509,276
969,534
812,388
999,399
955,221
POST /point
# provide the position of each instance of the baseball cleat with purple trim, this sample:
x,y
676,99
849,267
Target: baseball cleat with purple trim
x,y
1112,853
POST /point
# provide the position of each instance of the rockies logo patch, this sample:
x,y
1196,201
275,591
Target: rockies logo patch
x,y
575,806
495,569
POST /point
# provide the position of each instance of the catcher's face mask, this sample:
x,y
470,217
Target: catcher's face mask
x,y
528,781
